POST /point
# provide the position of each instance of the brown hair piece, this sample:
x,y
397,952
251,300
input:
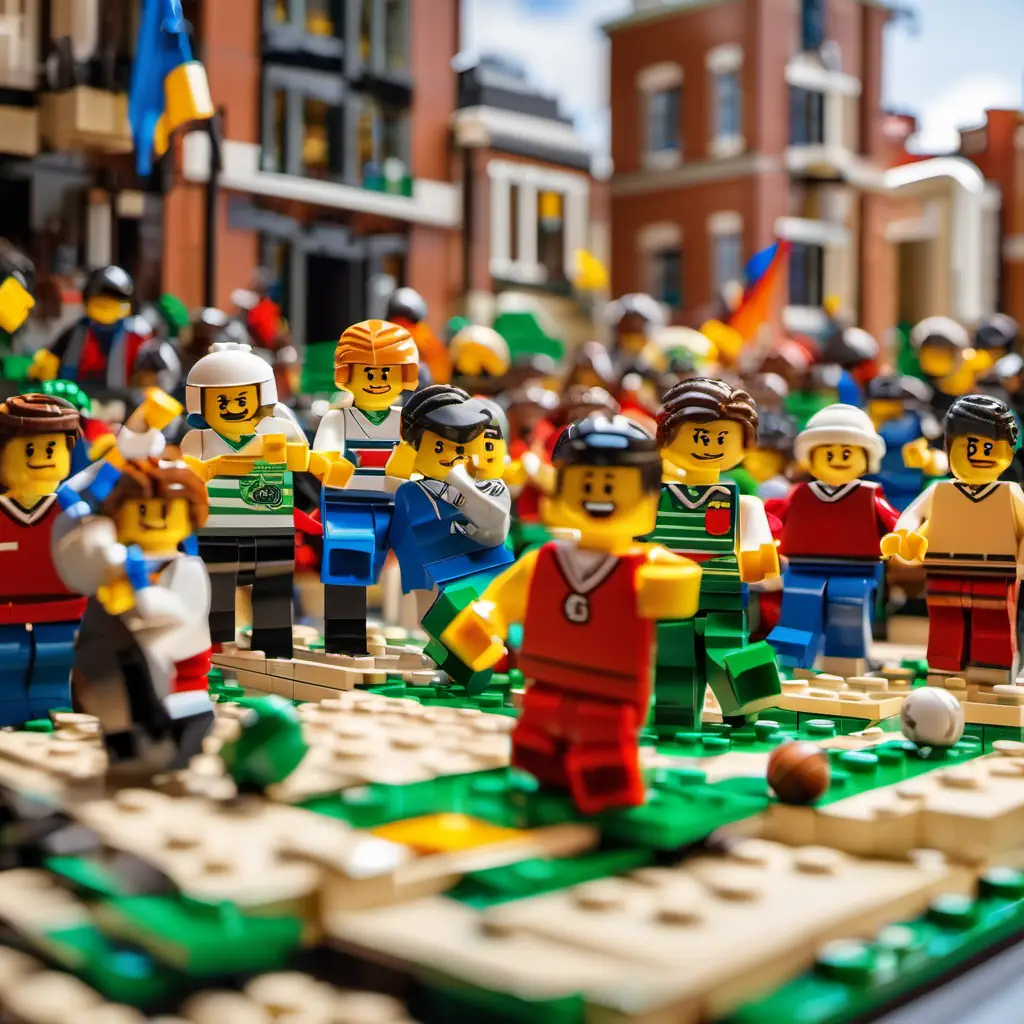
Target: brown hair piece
x,y
27,415
152,478
703,400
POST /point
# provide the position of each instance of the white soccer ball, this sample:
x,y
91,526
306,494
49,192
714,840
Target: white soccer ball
x,y
932,717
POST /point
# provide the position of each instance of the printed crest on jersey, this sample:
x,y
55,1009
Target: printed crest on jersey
x,y
718,517
577,609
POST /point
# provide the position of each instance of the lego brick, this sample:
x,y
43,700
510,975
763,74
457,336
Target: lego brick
x,y
19,129
256,682
618,941
848,700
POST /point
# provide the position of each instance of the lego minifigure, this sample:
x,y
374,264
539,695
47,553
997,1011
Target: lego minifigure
x,y
968,532
96,437
997,336
899,409
143,651
634,319
447,526
407,309
768,462
831,528
108,346
375,363
590,366
705,428
588,609
38,613
946,359
246,447
855,353
17,279
480,359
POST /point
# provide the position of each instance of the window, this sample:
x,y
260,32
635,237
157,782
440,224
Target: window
x,y
396,35
806,275
513,222
812,24
728,256
551,234
316,161
663,112
807,117
382,133
728,105
275,151
667,276
319,17
366,29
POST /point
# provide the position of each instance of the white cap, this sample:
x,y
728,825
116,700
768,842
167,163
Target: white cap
x,y
938,329
229,365
841,424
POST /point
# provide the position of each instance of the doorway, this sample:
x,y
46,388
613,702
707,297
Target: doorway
x,y
335,296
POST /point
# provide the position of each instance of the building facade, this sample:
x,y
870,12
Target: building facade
x,y
997,148
736,122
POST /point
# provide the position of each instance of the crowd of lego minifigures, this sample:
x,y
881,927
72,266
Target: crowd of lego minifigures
x,y
670,512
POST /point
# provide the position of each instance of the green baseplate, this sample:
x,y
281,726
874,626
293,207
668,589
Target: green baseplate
x,y
200,944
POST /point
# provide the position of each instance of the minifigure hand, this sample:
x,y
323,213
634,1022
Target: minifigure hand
x,y
157,411
338,473
759,565
905,545
103,447
117,597
474,636
45,366
297,456
275,449
915,454
401,461
203,470
668,590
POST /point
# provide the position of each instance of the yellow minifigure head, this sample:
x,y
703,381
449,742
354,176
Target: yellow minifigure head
x,y
157,505
839,445
774,449
945,355
608,482
996,336
981,438
490,455
442,424
706,427
37,435
764,463
230,390
375,361
108,296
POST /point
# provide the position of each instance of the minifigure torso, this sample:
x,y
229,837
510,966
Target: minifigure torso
x,y
973,527
844,522
366,439
699,521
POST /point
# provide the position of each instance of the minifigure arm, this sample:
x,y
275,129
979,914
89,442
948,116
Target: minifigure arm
x,y
667,585
908,540
86,552
330,435
887,515
477,634
179,596
1017,500
487,505
756,550
915,516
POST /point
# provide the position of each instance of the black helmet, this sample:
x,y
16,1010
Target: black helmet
x,y
997,331
111,281
406,304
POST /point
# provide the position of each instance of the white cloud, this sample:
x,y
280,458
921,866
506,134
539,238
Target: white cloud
x,y
564,51
961,105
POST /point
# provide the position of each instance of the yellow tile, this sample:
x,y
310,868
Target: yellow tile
x,y
445,833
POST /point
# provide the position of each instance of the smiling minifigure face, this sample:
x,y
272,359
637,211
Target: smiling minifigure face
x,y
155,524
490,454
978,460
374,388
107,310
836,464
436,455
232,411
715,446
35,464
602,503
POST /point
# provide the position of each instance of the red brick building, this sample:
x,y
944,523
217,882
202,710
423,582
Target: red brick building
x,y
736,122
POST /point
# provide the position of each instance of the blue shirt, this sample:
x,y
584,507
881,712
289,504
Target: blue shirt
x,y
429,539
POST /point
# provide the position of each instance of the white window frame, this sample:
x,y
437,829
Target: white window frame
x,y
725,60
657,78
805,72
724,224
653,239
19,44
531,180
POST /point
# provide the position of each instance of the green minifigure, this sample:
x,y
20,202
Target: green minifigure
x,y
705,428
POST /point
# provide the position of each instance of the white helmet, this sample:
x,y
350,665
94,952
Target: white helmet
x,y
229,365
841,424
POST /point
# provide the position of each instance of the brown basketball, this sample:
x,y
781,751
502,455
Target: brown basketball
x,y
799,772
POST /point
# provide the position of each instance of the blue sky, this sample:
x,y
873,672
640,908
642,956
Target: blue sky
x,y
966,56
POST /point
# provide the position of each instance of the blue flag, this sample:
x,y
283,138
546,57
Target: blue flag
x,y
759,263
163,70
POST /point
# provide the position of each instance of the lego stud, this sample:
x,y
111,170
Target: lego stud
x,y
931,717
799,772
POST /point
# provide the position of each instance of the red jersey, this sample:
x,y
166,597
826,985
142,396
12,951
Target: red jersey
x,y
93,362
30,589
827,523
582,631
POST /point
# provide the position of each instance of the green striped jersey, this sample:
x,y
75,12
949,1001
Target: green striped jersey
x,y
701,520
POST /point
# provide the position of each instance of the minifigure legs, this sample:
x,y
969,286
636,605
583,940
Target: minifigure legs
x,y
266,560
37,662
972,622
826,609
585,744
355,547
